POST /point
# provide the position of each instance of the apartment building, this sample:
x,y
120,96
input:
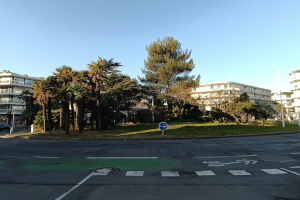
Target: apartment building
x,y
295,81
11,86
215,94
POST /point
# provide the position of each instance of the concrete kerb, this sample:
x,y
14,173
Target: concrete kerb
x,y
160,138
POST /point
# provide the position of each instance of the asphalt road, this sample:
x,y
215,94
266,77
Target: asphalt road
x,y
264,167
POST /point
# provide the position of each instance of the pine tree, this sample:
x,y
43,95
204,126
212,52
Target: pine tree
x,y
166,65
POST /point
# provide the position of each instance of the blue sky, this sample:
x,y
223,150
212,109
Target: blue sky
x,y
243,41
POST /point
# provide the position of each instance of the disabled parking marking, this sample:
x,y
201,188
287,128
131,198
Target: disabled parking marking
x,y
239,172
273,171
205,173
169,174
135,173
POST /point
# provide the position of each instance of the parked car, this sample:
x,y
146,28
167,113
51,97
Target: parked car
x,y
4,127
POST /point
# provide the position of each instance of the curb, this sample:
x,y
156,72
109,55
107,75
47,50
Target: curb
x,y
159,138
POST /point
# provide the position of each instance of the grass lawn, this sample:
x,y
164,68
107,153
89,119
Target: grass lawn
x,y
175,130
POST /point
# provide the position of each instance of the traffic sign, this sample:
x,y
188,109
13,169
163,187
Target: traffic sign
x,y
163,126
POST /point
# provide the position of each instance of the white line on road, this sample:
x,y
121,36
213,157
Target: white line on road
x,y
122,157
273,171
135,173
205,173
228,156
290,171
73,188
295,153
44,157
295,167
239,172
169,174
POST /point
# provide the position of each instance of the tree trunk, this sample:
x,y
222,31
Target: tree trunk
x,y
27,123
78,114
169,109
67,117
98,105
82,114
61,118
72,114
49,107
44,118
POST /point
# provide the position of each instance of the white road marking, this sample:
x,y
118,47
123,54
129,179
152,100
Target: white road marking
x,y
228,156
73,188
44,157
239,172
274,171
122,157
205,173
248,161
295,153
295,167
290,171
101,172
135,173
169,174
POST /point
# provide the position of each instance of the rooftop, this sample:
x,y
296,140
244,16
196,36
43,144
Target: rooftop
x,y
9,73
229,82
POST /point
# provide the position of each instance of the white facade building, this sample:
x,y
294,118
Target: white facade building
x,y
11,86
295,81
214,94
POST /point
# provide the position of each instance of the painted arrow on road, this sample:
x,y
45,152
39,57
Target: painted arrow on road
x,y
246,162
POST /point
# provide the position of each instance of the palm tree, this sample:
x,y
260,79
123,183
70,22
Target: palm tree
x,y
64,78
81,91
98,72
40,93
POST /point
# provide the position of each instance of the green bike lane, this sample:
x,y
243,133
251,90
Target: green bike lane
x,y
89,164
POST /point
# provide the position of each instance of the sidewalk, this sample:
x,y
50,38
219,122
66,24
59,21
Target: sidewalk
x,y
16,134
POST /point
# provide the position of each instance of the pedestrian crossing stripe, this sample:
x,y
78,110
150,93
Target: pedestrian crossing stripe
x,y
205,173
169,174
239,173
104,172
135,173
274,171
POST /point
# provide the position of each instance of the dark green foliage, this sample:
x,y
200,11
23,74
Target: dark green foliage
x,y
166,65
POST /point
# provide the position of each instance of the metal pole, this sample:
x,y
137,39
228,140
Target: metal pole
x,y
282,117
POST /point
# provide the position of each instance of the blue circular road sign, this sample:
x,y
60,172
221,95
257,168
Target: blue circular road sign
x,y
163,126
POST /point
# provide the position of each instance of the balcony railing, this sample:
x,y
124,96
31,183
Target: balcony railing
x,y
11,101
6,81
9,91
16,111
16,82
21,82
